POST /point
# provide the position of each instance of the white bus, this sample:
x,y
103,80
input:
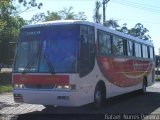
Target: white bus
x,y
72,63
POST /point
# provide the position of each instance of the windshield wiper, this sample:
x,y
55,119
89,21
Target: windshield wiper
x,y
50,65
32,60
29,64
37,55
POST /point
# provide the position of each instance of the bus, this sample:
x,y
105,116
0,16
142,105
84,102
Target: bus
x,y
73,63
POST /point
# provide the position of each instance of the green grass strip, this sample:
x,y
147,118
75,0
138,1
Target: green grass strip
x,y
6,88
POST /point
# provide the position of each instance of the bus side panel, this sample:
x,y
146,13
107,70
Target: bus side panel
x,y
124,74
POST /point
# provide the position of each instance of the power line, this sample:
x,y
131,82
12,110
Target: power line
x,y
141,4
149,8
137,20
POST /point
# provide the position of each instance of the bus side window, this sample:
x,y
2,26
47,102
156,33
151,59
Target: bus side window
x,y
118,46
104,43
130,48
144,51
151,52
138,50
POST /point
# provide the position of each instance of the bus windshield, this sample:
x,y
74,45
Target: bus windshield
x,y
48,49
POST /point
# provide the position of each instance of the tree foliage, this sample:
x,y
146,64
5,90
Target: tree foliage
x,y
64,14
138,31
10,24
113,24
97,16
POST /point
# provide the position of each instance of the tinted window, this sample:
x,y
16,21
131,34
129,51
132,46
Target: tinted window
x,y
138,52
144,51
104,43
87,50
48,49
151,51
117,46
130,48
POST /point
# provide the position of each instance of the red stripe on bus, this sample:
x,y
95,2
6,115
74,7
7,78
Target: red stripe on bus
x,y
41,79
124,72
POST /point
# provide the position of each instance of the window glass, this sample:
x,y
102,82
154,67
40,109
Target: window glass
x,y
87,50
26,60
151,52
59,49
130,48
138,52
84,33
117,46
144,51
48,49
104,43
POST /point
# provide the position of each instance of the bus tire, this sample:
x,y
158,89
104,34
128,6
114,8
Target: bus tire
x,y
144,86
99,96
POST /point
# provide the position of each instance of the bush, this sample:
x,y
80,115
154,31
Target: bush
x,y
157,79
5,82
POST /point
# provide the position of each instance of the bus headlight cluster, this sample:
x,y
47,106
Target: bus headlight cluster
x,y
18,86
65,87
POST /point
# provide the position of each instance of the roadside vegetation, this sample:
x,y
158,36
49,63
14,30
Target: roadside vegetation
x,y
158,79
5,82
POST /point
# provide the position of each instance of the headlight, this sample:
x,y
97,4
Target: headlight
x,y
65,87
18,86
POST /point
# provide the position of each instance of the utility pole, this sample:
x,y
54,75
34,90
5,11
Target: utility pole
x,y
104,9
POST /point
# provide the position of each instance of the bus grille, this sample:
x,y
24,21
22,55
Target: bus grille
x,y
40,86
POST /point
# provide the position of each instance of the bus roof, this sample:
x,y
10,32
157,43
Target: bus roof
x,y
98,26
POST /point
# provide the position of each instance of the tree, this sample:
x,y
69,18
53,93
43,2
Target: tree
x,y
28,5
10,24
36,18
113,24
139,31
80,16
52,16
67,13
123,29
64,14
97,16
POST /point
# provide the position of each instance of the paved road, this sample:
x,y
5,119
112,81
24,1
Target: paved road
x,y
132,103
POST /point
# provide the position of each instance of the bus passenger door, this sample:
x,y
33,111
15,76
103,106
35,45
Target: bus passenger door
x,y
87,50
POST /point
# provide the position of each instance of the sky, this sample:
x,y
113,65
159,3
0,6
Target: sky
x,y
146,12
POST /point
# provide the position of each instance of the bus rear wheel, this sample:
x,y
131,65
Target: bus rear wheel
x,y
144,86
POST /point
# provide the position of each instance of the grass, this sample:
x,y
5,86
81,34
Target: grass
x,y
157,79
6,88
5,82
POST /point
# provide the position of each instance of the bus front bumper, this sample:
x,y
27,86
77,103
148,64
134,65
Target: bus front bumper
x,y
58,98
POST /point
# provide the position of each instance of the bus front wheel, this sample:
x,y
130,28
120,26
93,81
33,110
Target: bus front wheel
x,y
99,97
